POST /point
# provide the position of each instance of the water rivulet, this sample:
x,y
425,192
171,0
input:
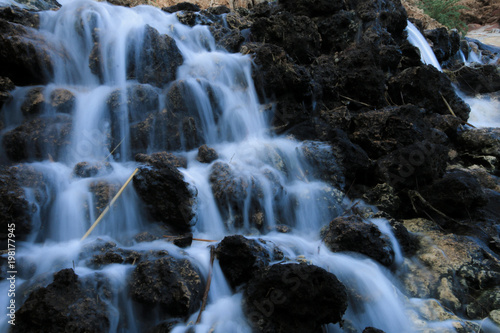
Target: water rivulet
x,y
117,91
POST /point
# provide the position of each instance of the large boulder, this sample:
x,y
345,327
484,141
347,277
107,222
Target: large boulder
x,y
27,57
172,285
457,194
477,80
38,138
158,59
15,210
67,304
6,85
355,235
428,88
294,298
167,197
298,35
444,44
240,258
313,8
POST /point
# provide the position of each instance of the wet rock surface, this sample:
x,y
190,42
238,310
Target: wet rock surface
x,y
73,306
355,235
172,285
167,197
294,298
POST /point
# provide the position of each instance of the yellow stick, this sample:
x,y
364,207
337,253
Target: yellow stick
x,y
109,205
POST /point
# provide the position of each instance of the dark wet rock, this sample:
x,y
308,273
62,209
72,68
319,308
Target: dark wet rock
x,y
182,6
383,196
481,147
167,197
312,8
20,16
338,31
181,241
240,258
193,18
15,211
353,159
145,236
165,327
6,85
410,55
228,39
276,73
372,330
298,35
139,101
457,194
103,192
113,256
206,154
72,305
89,169
444,44
408,241
426,87
172,285
323,163
159,59
355,235
487,301
38,138
387,14
420,163
477,80
34,103
160,159
380,132
26,55
39,5
218,10
62,100
294,298
179,125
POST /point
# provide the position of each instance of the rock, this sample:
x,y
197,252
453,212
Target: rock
x,y
34,103
312,8
206,154
338,31
27,57
38,138
387,14
39,5
294,298
422,163
354,235
167,197
240,258
171,285
383,196
62,101
155,63
6,85
322,160
89,169
457,194
298,35
477,80
380,132
372,330
15,210
425,86
182,6
487,301
484,141
72,305
227,39
15,14
158,160
103,194
449,266
140,101
276,73
444,44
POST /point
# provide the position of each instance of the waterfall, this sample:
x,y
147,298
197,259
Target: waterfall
x,y
418,40
222,95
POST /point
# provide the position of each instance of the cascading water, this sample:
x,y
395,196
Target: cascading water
x,y
418,40
233,125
